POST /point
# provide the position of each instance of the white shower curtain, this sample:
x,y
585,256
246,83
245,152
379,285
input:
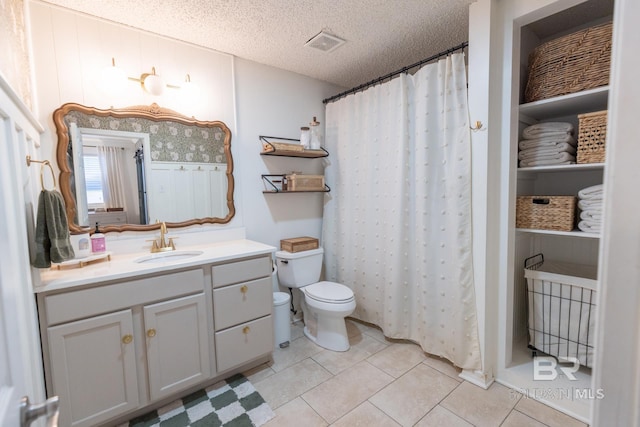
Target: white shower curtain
x,y
397,222
112,173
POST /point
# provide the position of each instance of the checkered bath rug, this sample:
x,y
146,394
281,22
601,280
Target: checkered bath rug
x,y
233,402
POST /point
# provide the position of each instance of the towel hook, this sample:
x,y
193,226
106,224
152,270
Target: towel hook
x,y
477,126
43,164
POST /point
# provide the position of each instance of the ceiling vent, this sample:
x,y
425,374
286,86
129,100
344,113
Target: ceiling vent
x,y
324,42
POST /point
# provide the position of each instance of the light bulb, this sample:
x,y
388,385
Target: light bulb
x,y
153,83
190,88
113,79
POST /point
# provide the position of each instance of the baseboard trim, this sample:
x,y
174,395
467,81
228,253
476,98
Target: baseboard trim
x,y
477,378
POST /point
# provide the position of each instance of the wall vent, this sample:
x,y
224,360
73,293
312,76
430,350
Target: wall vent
x,y
324,42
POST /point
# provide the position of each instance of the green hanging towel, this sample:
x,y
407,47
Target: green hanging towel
x,y
52,231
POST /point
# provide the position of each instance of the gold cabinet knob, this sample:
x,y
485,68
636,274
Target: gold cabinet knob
x,y
244,289
151,333
246,330
127,339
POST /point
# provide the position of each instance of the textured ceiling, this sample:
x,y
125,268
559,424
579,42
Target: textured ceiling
x,y
381,35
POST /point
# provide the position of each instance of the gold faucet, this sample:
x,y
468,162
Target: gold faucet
x,y
162,245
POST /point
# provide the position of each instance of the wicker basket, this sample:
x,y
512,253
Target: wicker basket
x,y
299,182
592,136
568,64
545,212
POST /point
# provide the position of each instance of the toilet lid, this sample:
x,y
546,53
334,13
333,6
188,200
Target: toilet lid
x,y
328,292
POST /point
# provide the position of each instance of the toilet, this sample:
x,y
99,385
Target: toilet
x,y
325,304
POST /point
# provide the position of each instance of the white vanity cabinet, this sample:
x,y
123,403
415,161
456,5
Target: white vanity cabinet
x,y
242,305
108,345
122,338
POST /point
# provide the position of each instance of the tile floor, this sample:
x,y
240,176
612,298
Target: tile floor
x,y
381,382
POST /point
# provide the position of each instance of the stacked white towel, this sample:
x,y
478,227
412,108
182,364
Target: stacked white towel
x,y
548,143
590,204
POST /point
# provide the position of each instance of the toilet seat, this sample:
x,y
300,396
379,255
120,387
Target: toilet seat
x,y
329,292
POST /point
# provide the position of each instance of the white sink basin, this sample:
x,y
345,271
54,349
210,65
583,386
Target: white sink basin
x,y
169,256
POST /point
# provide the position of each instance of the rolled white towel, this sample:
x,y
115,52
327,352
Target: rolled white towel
x,y
591,215
590,204
547,129
534,153
593,192
557,159
552,141
590,226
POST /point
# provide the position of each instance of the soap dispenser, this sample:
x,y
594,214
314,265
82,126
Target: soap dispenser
x,y
98,244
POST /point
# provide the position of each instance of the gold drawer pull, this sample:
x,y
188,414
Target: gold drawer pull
x,y
244,289
246,330
127,339
151,333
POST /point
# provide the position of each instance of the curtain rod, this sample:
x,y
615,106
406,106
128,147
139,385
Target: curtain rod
x,y
394,73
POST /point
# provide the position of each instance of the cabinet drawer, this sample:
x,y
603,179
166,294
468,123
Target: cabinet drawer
x,y
240,271
237,345
240,303
82,303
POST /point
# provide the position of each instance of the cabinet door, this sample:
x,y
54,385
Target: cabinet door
x,y
94,368
177,344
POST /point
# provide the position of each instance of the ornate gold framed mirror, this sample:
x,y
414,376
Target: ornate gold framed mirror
x,y
128,168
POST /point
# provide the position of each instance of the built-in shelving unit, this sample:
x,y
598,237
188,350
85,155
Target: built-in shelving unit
x,y
577,247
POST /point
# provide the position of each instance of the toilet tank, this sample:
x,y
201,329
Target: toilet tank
x,y
298,269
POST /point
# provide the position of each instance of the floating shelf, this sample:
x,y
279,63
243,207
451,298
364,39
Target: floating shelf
x,y
277,150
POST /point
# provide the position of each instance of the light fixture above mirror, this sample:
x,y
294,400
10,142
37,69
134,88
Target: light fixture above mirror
x,y
113,80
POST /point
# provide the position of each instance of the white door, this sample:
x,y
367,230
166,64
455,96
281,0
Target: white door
x,y
20,362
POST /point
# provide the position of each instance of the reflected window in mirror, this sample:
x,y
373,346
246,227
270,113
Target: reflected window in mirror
x,y
127,168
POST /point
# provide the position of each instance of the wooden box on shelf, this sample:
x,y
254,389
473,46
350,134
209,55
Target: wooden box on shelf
x,y
299,182
268,147
299,244
592,135
569,64
546,212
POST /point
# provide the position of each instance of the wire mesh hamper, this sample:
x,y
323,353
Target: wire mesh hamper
x,y
561,308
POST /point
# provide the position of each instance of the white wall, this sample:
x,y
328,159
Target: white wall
x,y
273,102
71,49
618,335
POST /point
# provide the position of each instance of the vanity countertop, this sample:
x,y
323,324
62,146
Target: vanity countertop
x,y
124,266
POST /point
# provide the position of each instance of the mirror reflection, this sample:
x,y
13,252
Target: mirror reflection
x,y
128,168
